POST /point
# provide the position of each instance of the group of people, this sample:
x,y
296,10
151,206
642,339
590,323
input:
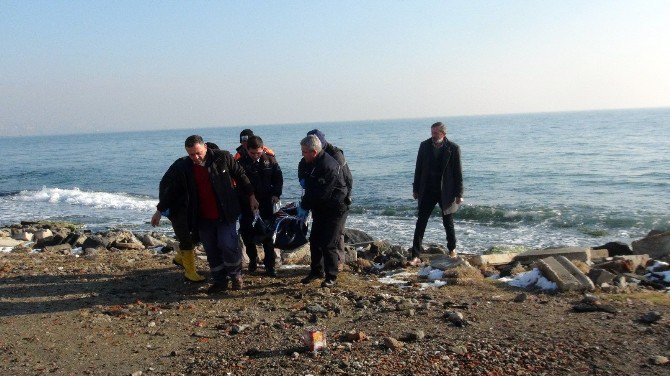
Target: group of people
x,y
205,193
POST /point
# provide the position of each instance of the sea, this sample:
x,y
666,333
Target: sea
x,y
537,180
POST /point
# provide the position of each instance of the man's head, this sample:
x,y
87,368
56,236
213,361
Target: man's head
x,y
320,136
196,148
311,147
255,147
244,136
438,131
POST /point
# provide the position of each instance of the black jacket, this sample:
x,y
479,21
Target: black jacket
x,y
338,155
178,192
325,188
265,176
451,175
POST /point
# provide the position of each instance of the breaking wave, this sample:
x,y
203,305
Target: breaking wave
x,y
77,197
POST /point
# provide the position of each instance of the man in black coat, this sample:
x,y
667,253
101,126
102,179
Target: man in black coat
x,y
438,179
198,196
338,155
325,194
266,177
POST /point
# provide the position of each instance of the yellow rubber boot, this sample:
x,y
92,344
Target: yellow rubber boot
x,y
188,260
178,259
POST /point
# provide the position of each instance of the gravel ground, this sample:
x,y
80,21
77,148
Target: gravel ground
x,y
131,313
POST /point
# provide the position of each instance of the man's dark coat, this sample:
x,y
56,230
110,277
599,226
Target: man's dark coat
x,y
452,173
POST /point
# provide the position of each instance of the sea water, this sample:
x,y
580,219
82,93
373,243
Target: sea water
x,y
539,180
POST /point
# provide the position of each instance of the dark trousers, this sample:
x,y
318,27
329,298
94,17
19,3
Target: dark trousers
x,y
248,234
223,251
426,206
327,227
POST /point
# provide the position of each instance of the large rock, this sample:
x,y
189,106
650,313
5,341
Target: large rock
x,y
566,275
358,237
23,236
9,242
615,248
43,233
299,255
96,241
600,276
571,253
491,259
655,244
444,262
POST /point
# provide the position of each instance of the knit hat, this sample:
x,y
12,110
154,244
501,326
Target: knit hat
x,y
320,136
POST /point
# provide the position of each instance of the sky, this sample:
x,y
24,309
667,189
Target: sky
x,y
106,66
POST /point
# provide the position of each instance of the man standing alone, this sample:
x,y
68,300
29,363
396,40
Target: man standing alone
x,y
438,179
198,193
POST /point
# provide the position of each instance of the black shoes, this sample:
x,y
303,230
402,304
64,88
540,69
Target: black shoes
x,y
252,267
217,288
270,272
311,277
329,282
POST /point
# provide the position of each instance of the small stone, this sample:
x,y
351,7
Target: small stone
x,y
136,373
658,360
414,336
650,317
520,298
456,318
151,324
458,349
355,336
392,343
237,329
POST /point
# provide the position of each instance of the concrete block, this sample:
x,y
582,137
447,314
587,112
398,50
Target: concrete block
x,y
600,276
598,254
555,272
584,281
492,259
571,253
58,248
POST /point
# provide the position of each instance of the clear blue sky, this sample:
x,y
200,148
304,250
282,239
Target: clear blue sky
x,y
99,66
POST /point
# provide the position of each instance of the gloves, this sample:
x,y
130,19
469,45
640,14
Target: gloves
x,y
302,213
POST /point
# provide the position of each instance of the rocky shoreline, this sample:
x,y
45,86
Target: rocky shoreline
x,y
113,303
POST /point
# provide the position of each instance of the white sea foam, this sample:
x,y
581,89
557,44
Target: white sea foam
x,y
77,197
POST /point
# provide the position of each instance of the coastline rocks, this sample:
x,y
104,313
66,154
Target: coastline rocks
x,y
656,244
616,248
300,255
505,248
357,237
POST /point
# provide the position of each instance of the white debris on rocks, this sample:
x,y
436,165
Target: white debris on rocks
x,y
531,279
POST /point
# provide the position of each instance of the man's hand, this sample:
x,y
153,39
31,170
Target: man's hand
x,y
459,200
275,199
415,195
156,218
253,203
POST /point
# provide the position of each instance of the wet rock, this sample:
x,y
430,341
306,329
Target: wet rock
x,y
650,317
95,241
